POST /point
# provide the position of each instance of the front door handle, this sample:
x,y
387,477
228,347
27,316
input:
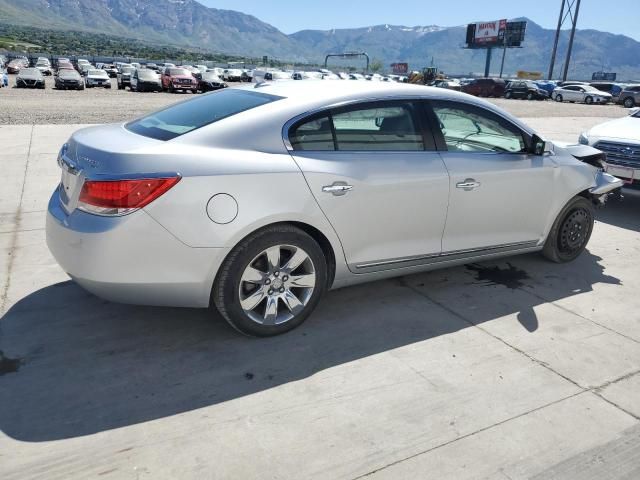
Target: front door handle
x,y
468,184
337,188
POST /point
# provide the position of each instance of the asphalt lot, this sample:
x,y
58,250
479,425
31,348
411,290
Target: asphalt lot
x,y
509,370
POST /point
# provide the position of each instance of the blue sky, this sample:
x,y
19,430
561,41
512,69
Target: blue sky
x,y
616,16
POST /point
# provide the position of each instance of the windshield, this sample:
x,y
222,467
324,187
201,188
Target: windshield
x,y
128,70
98,73
30,71
187,116
210,76
68,73
179,71
589,88
147,74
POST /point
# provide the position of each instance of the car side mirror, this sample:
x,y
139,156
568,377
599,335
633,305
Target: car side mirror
x,y
540,146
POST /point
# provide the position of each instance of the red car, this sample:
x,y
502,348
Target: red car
x,y
485,87
15,66
176,79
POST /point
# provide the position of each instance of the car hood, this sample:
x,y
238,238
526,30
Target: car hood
x,y
627,128
599,94
29,77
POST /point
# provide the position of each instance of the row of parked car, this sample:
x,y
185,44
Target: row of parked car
x,y
627,95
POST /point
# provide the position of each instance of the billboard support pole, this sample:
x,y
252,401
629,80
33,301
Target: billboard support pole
x,y
555,42
487,65
573,34
504,52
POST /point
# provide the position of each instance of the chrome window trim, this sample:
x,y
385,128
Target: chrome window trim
x,y
287,126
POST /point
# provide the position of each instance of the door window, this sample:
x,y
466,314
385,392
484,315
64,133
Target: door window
x,y
385,127
381,126
474,130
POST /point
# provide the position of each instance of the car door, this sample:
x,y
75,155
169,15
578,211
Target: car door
x,y
373,169
500,193
581,94
572,93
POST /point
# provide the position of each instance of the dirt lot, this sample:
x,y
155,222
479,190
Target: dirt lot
x,y
97,105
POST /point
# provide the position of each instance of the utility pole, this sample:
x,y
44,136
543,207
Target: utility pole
x,y
573,34
555,42
569,10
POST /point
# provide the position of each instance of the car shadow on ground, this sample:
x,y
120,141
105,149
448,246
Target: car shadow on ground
x,y
622,212
76,365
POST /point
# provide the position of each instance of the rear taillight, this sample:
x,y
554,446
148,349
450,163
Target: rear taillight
x,y
120,197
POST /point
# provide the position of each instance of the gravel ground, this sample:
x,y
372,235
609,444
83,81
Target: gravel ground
x,y
50,106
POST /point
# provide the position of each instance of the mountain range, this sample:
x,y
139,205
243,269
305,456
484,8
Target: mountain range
x,y
189,23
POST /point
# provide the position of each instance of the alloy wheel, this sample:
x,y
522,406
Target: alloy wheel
x,y
277,284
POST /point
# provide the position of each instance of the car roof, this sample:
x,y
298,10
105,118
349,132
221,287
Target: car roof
x,y
312,94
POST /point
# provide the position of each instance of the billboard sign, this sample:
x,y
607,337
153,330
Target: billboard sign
x,y
524,75
490,32
400,68
606,76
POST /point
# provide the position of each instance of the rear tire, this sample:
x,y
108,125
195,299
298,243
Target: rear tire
x,y
269,283
570,232
529,96
629,102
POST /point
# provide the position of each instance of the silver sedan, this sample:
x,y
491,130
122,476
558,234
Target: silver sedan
x,y
258,200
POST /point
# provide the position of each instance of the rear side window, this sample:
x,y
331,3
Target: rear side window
x,y
314,134
187,116
387,127
383,126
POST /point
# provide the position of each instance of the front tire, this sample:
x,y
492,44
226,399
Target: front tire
x,y
507,95
629,102
588,100
559,98
271,282
570,232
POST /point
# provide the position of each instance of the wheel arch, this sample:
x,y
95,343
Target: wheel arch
x,y
322,240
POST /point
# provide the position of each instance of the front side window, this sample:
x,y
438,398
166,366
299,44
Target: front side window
x,y
187,116
474,130
379,128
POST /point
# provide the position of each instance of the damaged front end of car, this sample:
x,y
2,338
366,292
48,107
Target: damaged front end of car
x,y
605,184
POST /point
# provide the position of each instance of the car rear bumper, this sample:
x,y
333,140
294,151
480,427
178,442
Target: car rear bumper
x,y
130,259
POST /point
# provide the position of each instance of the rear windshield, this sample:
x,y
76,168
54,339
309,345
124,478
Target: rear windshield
x,y
187,116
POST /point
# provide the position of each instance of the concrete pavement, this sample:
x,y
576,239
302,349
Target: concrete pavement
x,y
510,369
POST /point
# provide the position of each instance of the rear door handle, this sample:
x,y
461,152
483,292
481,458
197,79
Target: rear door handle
x,y
468,184
337,188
